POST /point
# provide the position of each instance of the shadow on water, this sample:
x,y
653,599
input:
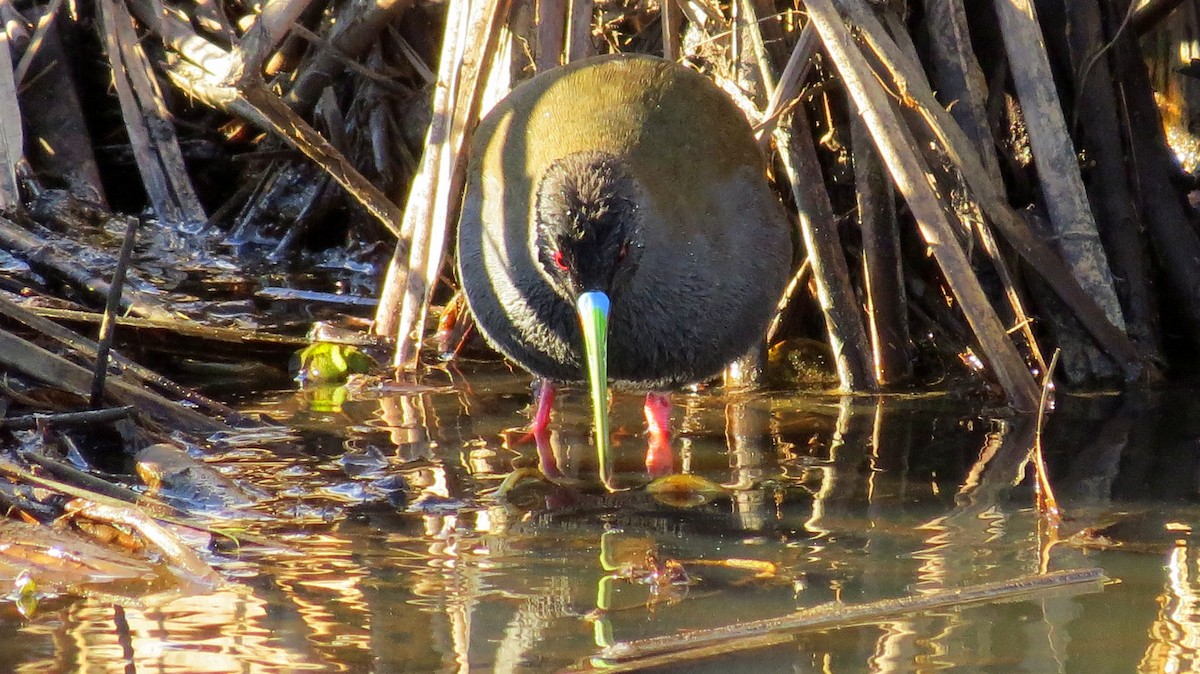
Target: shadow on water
x,y
397,553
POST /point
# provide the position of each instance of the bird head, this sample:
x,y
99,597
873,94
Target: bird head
x,y
588,229
588,224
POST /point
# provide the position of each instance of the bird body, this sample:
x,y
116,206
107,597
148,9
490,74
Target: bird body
x,y
631,176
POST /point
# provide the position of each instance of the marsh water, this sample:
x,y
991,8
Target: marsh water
x,y
397,545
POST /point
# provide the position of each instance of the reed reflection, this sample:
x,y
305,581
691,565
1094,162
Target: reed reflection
x,y
788,503
214,633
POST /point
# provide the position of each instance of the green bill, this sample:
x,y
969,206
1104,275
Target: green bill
x,y
592,307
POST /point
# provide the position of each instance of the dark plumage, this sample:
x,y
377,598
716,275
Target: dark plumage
x,y
630,182
647,181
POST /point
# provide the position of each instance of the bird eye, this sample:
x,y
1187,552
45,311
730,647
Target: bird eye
x,y
624,250
560,260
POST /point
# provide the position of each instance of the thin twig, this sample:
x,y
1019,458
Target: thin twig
x,y
108,322
1086,70
96,416
1047,503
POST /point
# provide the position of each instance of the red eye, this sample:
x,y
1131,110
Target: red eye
x,y
560,260
621,253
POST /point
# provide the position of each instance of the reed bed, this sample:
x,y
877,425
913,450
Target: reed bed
x,y
974,184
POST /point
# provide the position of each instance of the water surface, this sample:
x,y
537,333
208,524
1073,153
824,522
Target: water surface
x,y
397,553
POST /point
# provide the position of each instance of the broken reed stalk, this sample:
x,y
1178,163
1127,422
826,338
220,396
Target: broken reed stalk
x,y
267,29
354,30
20,355
1050,516
801,274
882,262
216,77
551,36
12,136
958,67
959,150
959,80
181,557
119,497
898,150
49,258
818,228
147,121
112,494
433,199
54,113
1097,119
788,86
752,27
704,643
843,320
422,206
844,326
86,349
108,322
1063,194
1153,167
69,474
37,40
969,212
579,29
256,104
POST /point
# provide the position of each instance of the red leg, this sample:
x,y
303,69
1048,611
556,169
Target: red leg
x,y
545,401
539,430
659,458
